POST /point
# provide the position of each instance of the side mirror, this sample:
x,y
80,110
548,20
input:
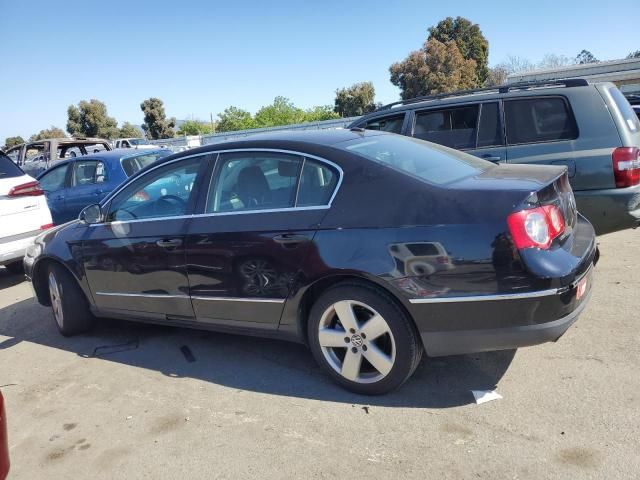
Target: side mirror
x,y
91,214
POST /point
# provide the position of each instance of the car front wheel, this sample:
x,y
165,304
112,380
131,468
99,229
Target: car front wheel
x,y
363,339
70,307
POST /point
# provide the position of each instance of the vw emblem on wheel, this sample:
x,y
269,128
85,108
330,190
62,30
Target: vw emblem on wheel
x,y
356,340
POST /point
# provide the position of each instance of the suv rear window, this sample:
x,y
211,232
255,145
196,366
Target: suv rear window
x,y
8,169
422,160
535,120
629,116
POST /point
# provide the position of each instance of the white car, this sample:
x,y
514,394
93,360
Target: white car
x,y
137,143
23,213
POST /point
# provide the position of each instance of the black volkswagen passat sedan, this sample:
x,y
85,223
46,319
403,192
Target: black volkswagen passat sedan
x,y
369,247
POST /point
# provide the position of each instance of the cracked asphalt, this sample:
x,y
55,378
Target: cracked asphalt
x,y
140,401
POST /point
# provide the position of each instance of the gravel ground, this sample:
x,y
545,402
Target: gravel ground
x,y
253,408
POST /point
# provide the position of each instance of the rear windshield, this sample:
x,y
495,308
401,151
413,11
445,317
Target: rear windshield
x,y
134,164
8,169
628,115
424,160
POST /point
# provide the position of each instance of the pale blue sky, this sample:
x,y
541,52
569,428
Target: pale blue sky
x,y
202,56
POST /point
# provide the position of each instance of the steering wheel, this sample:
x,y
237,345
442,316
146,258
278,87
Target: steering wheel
x,y
175,204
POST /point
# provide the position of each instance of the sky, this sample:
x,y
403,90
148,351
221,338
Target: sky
x,y
200,57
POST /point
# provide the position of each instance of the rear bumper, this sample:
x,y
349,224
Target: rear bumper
x,y
13,249
610,210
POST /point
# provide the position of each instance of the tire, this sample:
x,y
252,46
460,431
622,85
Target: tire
x,y
15,268
70,307
393,343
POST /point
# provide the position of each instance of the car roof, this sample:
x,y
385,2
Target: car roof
x,y
107,155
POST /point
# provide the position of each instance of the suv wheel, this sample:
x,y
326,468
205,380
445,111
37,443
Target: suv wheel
x,y
70,307
363,340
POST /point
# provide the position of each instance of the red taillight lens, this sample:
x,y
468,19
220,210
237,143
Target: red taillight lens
x,y
536,227
626,166
30,189
46,226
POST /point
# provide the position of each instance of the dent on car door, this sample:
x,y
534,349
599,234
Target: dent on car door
x,y
260,217
135,260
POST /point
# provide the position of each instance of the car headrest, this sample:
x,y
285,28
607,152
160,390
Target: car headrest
x,y
287,169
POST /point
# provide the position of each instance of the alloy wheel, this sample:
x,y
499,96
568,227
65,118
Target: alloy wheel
x,y
56,299
356,341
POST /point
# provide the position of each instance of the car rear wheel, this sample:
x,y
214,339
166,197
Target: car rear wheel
x,y
70,307
363,339
15,268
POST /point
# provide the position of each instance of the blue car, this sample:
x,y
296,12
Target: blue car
x,y
73,184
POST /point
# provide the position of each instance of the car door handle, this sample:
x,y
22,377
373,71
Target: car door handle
x,y
174,242
290,239
491,158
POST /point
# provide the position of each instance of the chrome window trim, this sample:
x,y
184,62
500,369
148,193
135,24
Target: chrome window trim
x,y
242,212
239,299
487,298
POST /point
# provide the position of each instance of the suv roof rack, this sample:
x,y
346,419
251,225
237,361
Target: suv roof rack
x,y
569,82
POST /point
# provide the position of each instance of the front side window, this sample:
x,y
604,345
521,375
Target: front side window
x,y
164,192
386,124
88,172
452,127
54,179
535,120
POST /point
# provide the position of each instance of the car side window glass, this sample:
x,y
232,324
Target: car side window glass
x,y
317,184
386,124
490,131
254,181
88,172
54,179
164,192
535,120
453,127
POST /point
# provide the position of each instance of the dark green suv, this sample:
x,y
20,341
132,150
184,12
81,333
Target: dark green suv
x,y
588,127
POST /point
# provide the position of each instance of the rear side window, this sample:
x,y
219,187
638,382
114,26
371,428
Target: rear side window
x,y
316,184
535,120
453,127
628,115
490,131
8,169
133,164
386,124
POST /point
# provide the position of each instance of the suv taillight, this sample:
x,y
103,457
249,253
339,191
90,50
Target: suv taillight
x,y
626,166
536,227
29,189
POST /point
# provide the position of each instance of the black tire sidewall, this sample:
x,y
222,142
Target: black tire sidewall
x,y
408,346
76,315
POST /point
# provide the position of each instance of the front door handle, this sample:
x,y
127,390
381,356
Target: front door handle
x,y
290,239
491,158
174,242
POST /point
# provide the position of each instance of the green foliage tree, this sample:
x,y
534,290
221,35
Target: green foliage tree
x,y
90,119
12,141
635,54
470,41
320,113
156,124
357,99
436,68
53,132
585,56
497,76
281,112
234,118
194,127
129,130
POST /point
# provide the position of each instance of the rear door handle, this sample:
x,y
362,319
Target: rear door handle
x,y
174,242
491,158
290,239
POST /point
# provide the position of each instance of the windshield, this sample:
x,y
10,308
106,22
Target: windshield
x,y
138,141
8,169
424,160
135,163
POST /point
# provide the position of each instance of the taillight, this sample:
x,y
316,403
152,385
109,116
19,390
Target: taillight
x,y
46,226
29,189
536,227
626,166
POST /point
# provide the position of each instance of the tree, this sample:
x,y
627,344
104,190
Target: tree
x,y
194,127
585,56
355,100
515,64
53,132
13,141
436,68
90,119
156,124
320,113
551,60
470,41
281,112
233,119
129,130
635,54
497,76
